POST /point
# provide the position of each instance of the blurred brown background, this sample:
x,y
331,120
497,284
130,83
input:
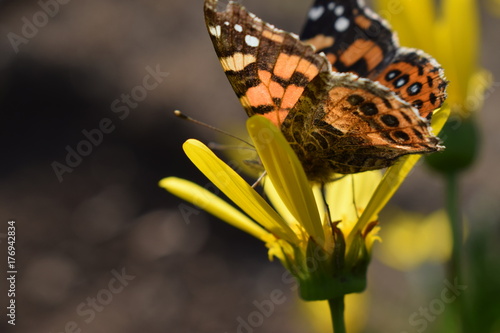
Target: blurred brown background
x,y
109,217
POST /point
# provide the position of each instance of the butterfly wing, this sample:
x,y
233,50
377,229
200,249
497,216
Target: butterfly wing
x,y
357,40
417,78
335,122
266,67
353,38
345,124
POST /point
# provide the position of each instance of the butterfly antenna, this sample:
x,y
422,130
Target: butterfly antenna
x,y
218,146
188,118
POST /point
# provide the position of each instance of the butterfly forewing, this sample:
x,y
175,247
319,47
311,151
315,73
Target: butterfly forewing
x,y
353,38
268,68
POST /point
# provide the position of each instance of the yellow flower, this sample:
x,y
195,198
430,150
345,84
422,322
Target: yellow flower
x,y
327,253
450,33
410,239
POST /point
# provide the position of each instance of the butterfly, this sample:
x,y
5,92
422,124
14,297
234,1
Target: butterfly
x,y
346,97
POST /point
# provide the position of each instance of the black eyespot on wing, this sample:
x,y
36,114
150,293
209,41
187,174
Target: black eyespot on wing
x,y
390,120
392,75
369,109
355,100
401,81
400,135
414,88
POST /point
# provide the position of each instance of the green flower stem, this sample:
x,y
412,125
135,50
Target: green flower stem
x,y
455,265
337,312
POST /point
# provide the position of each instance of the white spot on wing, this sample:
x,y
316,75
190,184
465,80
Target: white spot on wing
x,y
339,10
226,23
238,28
391,75
251,41
215,31
331,6
316,12
414,89
400,82
342,24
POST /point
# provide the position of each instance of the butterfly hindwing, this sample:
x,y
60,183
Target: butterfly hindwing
x,y
417,78
349,124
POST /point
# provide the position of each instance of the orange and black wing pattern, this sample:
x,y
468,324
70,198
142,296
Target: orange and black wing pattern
x,y
417,78
268,68
357,40
335,120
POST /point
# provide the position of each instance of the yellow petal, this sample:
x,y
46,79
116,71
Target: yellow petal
x,y
236,189
277,202
214,205
461,20
345,205
480,86
287,175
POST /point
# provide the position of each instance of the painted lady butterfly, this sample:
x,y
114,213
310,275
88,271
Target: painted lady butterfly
x,y
329,105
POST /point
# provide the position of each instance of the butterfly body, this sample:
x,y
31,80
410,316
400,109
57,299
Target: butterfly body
x,y
336,117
